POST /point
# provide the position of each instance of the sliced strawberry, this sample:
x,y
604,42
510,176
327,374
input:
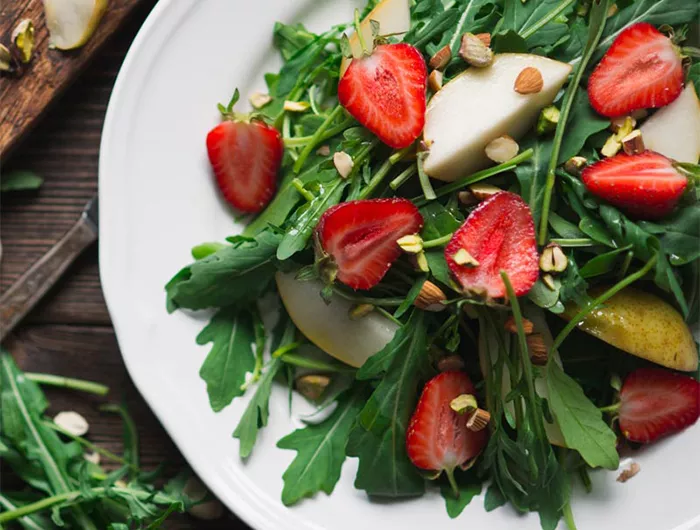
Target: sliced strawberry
x,y
385,92
437,438
245,158
360,237
641,70
656,402
645,186
500,235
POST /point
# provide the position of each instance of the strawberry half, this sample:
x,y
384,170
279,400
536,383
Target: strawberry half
x,y
656,402
245,157
645,186
385,92
500,235
641,70
437,438
360,237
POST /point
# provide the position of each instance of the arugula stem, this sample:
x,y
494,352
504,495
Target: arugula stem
x,y
597,21
358,31
314,364
26,522
439,242
477,177
75,496
298,141
426,186
611,408
691,51
403,177
361,156
453,483
598,301
386,302
279,352
383,171
554,13
574,242
97,449
388,315
68,382
569,516
129,427
316,138
585,478
626,264
299,186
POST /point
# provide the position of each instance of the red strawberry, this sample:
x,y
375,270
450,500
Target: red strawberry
x,y
360,236
656,402
500,235
645,186
245,157
641,70
385,92
437,438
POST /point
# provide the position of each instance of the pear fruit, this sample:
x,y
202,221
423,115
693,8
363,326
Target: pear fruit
x,y
71,23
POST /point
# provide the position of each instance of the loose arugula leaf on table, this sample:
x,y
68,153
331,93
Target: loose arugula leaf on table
x,y
469,487
20,181
379,436
581,422
231,355
235,275
320,450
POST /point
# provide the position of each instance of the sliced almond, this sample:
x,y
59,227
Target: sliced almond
x,y
475,52
296,106
633,143
467,198
529,81
430,298
629,472
343,163
72,422
93,458
324,150
441,57
502,149
435,80
511,327
258,100
483,191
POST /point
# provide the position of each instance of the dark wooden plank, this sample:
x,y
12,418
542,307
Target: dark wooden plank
x,y
23,99
92,353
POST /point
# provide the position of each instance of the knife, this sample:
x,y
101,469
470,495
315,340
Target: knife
x,y
24,294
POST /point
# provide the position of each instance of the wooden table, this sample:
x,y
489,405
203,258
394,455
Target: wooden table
x,y
70,332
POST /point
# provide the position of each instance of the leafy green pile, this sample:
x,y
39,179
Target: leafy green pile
x,y
373,405
62,488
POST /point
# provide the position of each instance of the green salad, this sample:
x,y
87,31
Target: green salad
x,y
479,221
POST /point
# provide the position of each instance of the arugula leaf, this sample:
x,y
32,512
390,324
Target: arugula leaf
x,y
603,263
469,21
469,487
230,357
320,450
438,220
694,76
580,420
538,22
289,39
574,287
532,174
379,436
494,498
438,266
258,410
586,123
298,235
679,235
233,276
20,181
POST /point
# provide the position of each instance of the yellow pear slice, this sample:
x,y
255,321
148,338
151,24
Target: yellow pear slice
x,y
394,16
328,326
71,23
674,131
481,105
644,325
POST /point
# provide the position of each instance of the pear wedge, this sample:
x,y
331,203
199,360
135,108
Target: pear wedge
x,y
674,131
480,105
71,23
328,326
394,16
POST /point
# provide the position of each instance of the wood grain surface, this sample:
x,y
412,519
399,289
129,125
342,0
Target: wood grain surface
x,y
23,99
69,332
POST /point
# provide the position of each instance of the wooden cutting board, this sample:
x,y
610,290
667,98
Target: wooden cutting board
x,y
23,99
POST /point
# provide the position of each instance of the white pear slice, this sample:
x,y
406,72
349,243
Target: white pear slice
x,y
328,326
674,131
481,105
394,16
71,23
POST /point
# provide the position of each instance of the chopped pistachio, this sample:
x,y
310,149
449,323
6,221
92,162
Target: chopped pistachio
x,y
625,128
296,106
478,420
422,262
553,259
612,146
412,243
343,163
359,311
575,165
616,124
258,100
23,40
464,403
312,386
548,281
5,59
547,122
462,257
633,143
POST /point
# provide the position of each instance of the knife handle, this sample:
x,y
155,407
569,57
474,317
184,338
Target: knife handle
x,y
23,295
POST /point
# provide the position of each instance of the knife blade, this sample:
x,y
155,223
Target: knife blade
x,y
24,294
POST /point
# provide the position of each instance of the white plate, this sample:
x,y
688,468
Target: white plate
x,y
157,200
